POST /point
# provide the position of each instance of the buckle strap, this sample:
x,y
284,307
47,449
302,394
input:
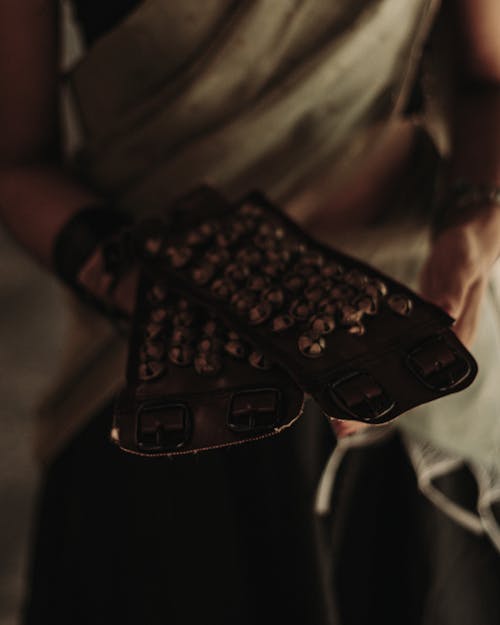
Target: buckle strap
x,y
163,427
361,397
437,365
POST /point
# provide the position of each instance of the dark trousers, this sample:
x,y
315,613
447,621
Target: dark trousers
x,y
225,537
229,538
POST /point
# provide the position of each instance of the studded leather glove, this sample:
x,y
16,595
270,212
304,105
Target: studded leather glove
x,y
365,347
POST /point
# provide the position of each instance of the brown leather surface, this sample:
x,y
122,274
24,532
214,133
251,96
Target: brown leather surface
x,y
399,360
236,404
179,410
239,313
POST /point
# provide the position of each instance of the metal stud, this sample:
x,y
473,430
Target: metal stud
x,y
153,330
209,345
274,270
301,310
342,292
259,313
350,314
264,243
249,256
275,297
236,272
217,256
195,238
207,229
293,282
184,318
240,227
375,287
250,210
203,274
311,345
312,258
210,328
223,288
327,285
181,335
259,361
293,247
357,329
327,307
153,245
332,270
303,269
151,370
279,233
207,364
278,256
157,294
323,324
400,304
181,355
227,237
367,304
159,315
281,323
179,257
313,294
257,283
267,229
154,350
355,278
315,280
242,301
235,348
248,224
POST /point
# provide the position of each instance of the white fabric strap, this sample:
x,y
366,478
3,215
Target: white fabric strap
x,y
430,463
363,438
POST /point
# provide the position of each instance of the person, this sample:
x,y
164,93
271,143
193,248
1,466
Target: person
x,y
308,102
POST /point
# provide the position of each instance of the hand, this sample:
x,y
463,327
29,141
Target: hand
x,y
455,278
456,274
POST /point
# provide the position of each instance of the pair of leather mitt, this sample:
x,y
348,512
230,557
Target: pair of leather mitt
x,y
240,315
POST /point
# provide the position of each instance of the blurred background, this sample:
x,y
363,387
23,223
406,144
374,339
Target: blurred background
x,y
31,336
32,329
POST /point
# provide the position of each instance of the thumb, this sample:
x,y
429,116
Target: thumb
x,y
445,281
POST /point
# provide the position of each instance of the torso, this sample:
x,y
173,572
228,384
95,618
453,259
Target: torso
x,y
352,203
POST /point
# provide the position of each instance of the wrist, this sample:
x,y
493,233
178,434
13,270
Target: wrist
x,y
92,251
464,200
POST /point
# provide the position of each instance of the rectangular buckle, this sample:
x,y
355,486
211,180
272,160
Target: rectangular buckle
x,y
163,427
254,411
361,397
437,365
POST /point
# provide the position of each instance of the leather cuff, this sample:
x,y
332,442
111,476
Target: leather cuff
x,y
81,235
88,230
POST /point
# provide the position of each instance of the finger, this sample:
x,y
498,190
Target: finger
x,y
467,324
346,428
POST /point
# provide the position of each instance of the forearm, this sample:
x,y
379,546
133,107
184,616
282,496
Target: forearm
x,y
36,201
476,137
476,125
36,196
